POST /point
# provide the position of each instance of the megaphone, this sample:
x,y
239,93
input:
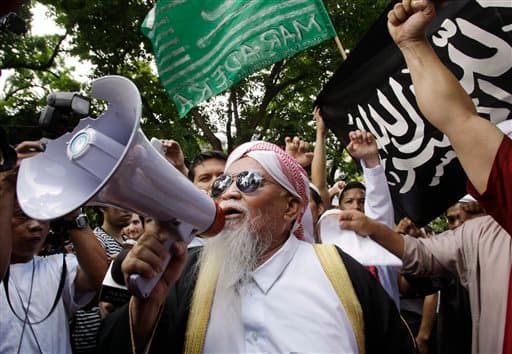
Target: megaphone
x,y
108,161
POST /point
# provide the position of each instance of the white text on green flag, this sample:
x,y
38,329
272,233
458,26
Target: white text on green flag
x,y
202,47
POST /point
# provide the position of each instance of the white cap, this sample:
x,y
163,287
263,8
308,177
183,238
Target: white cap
x,y
506,127
467,199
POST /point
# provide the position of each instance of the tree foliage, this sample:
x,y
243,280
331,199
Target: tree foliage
x,y
270,105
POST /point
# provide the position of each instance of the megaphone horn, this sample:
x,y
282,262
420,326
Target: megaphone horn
x,y
109,161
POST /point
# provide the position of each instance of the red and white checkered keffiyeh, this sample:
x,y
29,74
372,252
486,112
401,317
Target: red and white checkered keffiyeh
x,y
283,168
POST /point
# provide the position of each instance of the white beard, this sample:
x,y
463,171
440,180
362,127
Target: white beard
x,y
237,250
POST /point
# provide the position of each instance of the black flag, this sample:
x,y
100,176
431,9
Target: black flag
x,y
373,91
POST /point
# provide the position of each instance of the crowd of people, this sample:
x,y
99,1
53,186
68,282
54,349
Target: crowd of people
x,y
298,266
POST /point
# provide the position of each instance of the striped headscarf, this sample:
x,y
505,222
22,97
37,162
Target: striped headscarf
x,y
283,168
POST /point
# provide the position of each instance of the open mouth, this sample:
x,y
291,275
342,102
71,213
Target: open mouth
x,y
232,213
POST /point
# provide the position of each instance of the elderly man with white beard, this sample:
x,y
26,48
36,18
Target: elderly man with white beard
x,y
255,287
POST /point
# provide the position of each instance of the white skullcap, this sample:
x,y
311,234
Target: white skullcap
x,y
467,199
506,127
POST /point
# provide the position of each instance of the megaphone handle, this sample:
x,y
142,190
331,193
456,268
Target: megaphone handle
x,y
142,287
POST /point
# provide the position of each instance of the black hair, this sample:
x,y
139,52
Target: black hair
x,y
428,229
98,217
203,156
315,196
142,220
350,185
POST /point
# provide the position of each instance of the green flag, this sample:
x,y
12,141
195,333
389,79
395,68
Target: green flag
x,y
202,47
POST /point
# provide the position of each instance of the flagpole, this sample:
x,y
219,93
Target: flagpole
x,y
340,47
337,40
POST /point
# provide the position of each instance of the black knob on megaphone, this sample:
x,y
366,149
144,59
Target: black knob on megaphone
x,y
62,113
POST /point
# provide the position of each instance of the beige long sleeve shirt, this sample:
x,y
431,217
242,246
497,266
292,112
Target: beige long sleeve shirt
x,y
480,254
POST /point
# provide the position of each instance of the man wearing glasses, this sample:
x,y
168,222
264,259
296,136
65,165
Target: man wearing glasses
x,y
256,286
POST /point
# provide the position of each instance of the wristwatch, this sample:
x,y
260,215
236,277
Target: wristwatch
x,y
79,223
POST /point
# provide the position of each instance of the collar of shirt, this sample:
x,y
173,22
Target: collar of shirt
x,y
267,274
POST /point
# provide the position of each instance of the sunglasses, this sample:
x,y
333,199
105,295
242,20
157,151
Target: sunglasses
x,y
246,182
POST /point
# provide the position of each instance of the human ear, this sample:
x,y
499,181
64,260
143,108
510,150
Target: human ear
x,y
293,207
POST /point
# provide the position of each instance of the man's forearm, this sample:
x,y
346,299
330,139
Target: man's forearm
x,y
439,94
6,209
387,238
372,161
428,317
318,168
91,258
449,108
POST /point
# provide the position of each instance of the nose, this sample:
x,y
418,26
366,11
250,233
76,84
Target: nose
x,y
231,192
35,225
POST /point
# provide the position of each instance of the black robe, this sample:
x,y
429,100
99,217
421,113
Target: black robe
x,y
385,332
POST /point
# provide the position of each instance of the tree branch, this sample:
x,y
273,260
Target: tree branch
x,y
236,115
271,91
285,84
208,133
231,104
13,92
52,73
151,114
38,66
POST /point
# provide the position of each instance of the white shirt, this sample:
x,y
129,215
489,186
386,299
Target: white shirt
x,y
377,203
378,206
53,333
288,306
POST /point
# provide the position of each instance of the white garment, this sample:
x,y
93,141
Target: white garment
x,y
378,206
377,203
53,333
309,227
288,306
196,242
363,249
